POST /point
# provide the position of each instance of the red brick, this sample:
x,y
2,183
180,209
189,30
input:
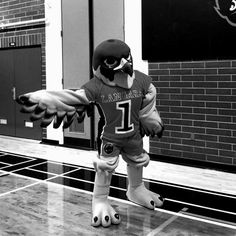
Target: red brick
x,y
205,97
180,72
218,145
170,78
205,84
181,96
227,84
193,78
205,151
219,132
172,128
218,105
193,103
160,145
204,71
161,84
170,140
159,72
231,140
182,147
218,64
171,115
181,122
164,109
169,65
194,155
181,109
183,135
193,91
192,64
227,112
227,98
170,90
231,126
206,137
219,159
234,147
193,143
169,152
170,103
193,116
180,84
218,78
195,130
205,124
227,153
153,66
227,71
219,91
218,118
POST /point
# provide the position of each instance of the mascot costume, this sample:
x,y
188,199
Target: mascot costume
x,y
127,100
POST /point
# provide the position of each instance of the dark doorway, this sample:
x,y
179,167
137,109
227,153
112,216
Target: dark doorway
x,y
20,72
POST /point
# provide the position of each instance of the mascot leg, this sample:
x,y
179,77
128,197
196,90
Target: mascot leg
x,y
103,213
138,193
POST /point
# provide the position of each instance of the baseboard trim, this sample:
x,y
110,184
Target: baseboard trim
x,y
194,163
49,141
77,143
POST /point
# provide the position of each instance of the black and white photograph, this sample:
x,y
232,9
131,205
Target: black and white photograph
x,y
118,117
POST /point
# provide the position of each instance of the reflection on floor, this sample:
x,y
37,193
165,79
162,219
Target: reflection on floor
x,y
53,198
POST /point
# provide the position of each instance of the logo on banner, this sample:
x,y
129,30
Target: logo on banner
x,y
226,9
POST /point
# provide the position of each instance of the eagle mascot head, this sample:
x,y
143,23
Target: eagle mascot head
x,y
112,63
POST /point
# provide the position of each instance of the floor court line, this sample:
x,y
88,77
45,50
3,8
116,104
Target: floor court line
x,y
15,165
165,224
30,185
192,188
199,206
44,172
167,184
170,212
197,218
88,192
56,175
175,215
23,162
59,163
18,155
209,218
24,167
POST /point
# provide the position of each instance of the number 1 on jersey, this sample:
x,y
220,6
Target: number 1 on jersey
x,y
126,126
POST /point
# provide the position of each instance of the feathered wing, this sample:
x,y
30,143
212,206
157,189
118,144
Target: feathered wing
x,y
150,120
60,106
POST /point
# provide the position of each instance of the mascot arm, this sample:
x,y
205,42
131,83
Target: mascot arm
x,y
63,105
150,120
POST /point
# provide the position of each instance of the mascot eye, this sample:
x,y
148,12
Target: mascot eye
x,y
129,58
111,62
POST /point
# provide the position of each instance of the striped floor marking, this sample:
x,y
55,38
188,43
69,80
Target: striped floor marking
x,y
165,224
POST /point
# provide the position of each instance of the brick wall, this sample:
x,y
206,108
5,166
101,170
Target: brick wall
x,y
14,11
197,101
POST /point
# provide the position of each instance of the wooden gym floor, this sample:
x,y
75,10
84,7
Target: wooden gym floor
x,y
47,190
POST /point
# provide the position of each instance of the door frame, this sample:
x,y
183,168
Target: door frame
x,y
21,123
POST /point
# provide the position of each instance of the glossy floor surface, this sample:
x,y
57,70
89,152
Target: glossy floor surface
x,y
45,193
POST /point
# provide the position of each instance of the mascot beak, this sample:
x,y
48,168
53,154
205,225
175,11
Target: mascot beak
x,y
125,66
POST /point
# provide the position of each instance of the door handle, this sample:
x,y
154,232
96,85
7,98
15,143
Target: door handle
x,y
14,93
